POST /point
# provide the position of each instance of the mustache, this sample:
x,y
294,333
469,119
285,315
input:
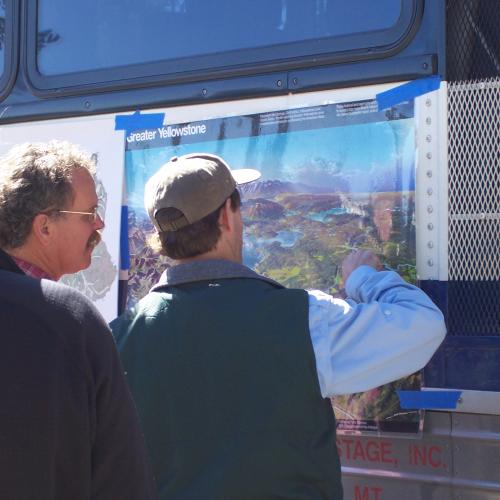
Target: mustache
x,y
95,239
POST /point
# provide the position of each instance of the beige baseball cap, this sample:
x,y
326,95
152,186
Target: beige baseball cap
x,y
195,184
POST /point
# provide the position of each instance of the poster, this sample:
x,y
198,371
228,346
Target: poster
x,y
335,177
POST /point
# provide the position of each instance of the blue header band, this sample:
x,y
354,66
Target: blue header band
x,y
407,91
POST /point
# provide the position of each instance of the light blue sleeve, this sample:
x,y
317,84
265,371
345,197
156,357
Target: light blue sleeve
x,y
385,330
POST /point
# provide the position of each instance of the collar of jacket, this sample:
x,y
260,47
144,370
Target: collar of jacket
x,y
7,263
205,270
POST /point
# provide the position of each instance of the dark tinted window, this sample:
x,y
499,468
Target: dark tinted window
x,y
98,34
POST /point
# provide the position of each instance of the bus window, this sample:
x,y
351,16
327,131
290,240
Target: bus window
x,y
187,35
8,46
3,37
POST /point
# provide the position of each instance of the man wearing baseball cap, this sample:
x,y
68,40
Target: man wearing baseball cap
x,y
231,372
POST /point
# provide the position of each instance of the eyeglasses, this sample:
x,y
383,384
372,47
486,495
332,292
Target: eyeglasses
x,y
92,216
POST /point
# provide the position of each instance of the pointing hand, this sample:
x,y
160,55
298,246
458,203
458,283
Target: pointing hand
x,y
359,258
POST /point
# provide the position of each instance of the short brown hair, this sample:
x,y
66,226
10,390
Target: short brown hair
x,y
194,239
35,177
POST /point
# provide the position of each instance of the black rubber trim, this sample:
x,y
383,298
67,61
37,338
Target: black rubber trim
x,y
337,76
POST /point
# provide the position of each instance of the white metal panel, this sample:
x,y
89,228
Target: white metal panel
x,y
431,189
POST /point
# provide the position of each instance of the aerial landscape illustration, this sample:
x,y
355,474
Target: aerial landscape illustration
x,y
323,193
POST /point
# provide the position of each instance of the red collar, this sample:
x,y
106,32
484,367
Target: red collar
x,y
31,270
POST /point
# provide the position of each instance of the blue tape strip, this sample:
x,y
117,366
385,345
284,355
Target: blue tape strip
x,y
407,91
138,121
428,400
124,249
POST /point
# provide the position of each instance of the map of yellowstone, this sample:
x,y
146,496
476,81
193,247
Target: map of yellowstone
x,y
334,178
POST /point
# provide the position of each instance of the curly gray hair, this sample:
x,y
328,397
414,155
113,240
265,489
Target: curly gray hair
x,y
35,178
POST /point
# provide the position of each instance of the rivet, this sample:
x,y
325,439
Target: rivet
x,y
430,209
429,191
279,83
430,226
428,120
428,103
295,81
430,244
204,92
425,65
429,173
429,155
430,262
428,138
87,104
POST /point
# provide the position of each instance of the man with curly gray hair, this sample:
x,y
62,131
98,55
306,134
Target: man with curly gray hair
x,y
48,208
69,427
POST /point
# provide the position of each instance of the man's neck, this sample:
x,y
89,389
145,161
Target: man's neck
x,y
32,258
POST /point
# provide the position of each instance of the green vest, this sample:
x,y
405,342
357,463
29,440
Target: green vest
x,y
224,377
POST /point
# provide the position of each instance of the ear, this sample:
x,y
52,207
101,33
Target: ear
x,y
225,220
42,229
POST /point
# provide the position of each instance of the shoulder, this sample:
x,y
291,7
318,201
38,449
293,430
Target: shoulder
x,y
70,303
149,307
70,321
58,306
322,300
323,307
80,326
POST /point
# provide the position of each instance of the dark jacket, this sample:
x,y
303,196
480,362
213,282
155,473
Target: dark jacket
x,y
224,377
68,427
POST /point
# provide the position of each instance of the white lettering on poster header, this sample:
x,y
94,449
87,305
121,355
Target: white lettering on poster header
x,y
167,132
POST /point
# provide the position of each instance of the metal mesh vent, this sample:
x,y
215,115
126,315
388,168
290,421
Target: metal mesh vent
x,y
472,39
474,180
474,308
